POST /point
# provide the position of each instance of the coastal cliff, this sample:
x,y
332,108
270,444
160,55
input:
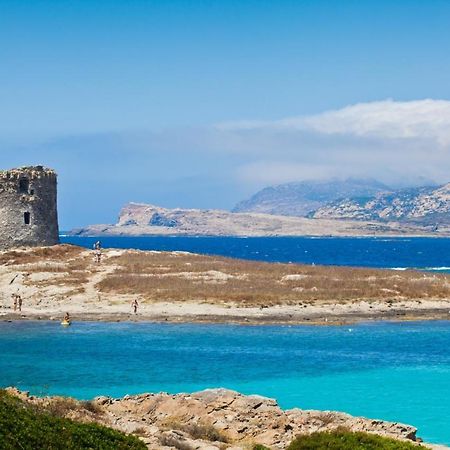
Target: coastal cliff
x,y
213,419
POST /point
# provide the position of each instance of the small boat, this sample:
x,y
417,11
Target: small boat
x,y
65,323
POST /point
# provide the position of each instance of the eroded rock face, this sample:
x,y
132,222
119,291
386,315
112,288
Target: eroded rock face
x,y
215,419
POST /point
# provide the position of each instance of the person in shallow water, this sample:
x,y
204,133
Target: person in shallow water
x,y
14,299
134,305
67,317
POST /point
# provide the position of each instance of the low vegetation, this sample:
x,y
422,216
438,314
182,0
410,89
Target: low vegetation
x,y
202,431
187,277
346,440
23,426
184,277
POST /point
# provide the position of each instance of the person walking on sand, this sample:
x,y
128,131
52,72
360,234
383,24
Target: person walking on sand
x,y
14,299
19,302
134,305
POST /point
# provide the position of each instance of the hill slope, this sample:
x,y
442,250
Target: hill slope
x,y
425,206
299,199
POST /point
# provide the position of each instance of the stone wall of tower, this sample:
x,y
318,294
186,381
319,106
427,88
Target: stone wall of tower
x,y
28,207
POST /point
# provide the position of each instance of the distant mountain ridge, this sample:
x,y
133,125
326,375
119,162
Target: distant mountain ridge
x,y
303,198
138,219
357,208
423,205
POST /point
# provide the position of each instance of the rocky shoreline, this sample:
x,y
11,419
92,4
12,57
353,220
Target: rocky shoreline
x,y
214,419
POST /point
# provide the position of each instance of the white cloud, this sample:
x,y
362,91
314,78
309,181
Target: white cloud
x,y
388,119
383,119
387,140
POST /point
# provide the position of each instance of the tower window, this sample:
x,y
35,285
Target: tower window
x,y
24,184
27,218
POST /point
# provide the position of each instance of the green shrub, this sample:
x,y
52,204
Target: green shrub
x,y
345,440
260,447
25,427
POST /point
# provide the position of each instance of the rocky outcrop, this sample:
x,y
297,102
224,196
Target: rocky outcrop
x,y
212,419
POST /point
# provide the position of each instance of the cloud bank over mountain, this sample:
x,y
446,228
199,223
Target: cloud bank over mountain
x,y
217,165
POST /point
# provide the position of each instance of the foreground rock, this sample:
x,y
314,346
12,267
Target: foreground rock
x,y
211,419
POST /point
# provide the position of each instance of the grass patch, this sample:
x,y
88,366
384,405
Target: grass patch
x,y
345,440
250,283
202,431
25,427
172,441
180,277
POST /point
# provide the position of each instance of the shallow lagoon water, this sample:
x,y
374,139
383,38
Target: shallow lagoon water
x,y
392,371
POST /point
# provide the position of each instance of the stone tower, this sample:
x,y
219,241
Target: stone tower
x,y
28,214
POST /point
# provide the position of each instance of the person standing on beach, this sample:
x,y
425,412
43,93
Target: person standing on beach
x,y
98,251
134,305
14,299
19,302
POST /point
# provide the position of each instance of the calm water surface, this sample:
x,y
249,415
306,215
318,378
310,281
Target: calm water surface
x,y
398,372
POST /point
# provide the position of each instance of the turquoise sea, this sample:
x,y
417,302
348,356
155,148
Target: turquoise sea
x,y
393,371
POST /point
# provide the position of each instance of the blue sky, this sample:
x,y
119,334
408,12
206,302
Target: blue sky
x,y
200,103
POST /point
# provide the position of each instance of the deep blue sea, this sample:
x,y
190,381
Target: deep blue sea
x,y
394,371
399,253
